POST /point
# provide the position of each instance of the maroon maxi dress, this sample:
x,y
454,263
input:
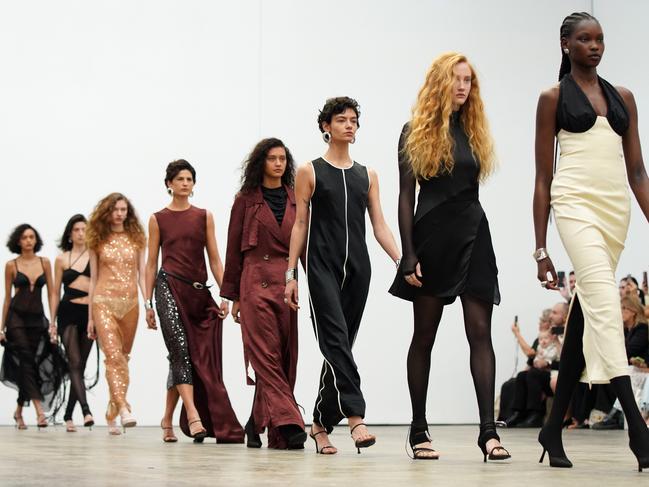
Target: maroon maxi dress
x,y
183,238
255,264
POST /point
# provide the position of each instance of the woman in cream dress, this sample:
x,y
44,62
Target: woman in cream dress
x,y
596,127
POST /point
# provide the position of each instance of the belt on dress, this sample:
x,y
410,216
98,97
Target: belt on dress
x,y
194,284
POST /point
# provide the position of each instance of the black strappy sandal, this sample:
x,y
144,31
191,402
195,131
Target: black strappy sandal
x,y
322,450
417,437
361,443
488,432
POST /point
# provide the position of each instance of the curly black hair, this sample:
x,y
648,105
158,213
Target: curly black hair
x,y
252,174
173,168
65,243
13,243
336,106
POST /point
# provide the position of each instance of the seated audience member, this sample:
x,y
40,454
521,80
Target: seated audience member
x,y
508,387
622,287
632,289
533,385
637,351
548,350
568,289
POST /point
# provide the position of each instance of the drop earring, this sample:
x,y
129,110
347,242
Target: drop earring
x,y
566,51
326,136
191,195
353,140
170,191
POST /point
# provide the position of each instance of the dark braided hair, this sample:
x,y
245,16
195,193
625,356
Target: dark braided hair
x,y
566,30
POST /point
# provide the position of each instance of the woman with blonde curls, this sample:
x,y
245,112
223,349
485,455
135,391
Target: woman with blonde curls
x,y
116,244
447,149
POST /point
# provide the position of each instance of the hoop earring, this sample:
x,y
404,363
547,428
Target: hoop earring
x,y
170,191
566,51
191,195
353,140
326,136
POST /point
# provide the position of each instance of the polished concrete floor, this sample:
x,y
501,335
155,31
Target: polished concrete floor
x,y
53,457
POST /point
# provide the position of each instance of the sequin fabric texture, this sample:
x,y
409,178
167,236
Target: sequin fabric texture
x,y
115,313
173,332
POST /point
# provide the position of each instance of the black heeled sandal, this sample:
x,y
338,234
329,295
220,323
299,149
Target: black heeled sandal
x,y
322,450
88,420
417,437
253,440
361,443
200,434
488,432
41,421
557,459
20,423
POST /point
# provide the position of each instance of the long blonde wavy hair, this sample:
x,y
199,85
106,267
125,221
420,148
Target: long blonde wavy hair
x,y
98,228
429,145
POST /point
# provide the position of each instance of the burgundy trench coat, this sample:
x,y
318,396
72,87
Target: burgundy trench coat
x,y
255,263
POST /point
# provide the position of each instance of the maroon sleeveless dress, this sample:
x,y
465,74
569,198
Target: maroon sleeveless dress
x,y
183,239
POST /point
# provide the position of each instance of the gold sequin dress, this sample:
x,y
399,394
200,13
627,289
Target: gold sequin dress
x,y
115,313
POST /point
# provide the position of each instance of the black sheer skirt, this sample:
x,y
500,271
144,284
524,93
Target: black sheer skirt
x,y
455,253
31,364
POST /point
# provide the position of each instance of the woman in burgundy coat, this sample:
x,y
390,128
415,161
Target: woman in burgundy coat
x,y
258,240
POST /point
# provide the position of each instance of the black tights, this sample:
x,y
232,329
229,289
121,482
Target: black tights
x,y
77,349
477,324
571,366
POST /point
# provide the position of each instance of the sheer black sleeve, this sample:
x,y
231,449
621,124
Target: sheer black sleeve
x,y
407,185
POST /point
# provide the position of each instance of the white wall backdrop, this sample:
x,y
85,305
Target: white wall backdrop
x,y
99,96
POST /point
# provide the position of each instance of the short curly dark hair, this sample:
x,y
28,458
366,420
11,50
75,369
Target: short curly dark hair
x,y
173,168
336,106
13,243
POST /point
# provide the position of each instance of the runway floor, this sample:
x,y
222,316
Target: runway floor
x,y
53,457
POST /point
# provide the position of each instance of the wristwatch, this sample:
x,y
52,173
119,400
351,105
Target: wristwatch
x,y
540,254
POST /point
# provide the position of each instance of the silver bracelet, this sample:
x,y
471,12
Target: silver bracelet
x,y
148,304
290,275
540,254
397,262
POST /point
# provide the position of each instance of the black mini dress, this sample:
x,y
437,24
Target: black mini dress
x,y
449,233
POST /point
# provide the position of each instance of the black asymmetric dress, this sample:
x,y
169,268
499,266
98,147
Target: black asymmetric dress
x,y
449,232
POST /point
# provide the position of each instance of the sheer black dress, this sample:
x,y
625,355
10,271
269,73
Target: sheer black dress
x,y
31,364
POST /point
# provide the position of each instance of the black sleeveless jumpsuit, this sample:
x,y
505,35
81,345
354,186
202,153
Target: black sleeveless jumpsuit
x,y
338,276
